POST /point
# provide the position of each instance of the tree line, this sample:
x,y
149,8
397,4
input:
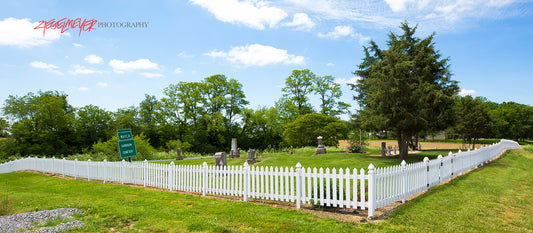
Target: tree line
x,y
194,116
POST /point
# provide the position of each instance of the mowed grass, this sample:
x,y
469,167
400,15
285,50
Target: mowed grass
x,y
496,198
335,158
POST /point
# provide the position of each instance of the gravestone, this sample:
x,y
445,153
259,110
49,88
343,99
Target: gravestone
x,y
251,156
234,152
395,148
389,150
220,159
321,148
291,153
383,149
179,157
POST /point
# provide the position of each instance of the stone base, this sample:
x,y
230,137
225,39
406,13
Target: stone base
x,y
321,150
251,161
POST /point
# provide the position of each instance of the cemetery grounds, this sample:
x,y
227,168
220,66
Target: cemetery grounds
x,y
495,198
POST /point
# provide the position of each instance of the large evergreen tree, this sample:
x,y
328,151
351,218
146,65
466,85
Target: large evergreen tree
x,y
405,88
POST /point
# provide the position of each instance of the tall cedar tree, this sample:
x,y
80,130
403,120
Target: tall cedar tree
x,y
406,88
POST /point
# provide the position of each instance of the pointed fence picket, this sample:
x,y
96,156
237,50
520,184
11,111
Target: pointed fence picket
x,y
342,188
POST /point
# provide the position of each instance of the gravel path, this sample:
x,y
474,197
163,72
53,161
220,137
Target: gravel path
x,y
27,222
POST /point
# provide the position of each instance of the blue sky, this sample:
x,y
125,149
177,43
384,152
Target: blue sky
x,y
257,43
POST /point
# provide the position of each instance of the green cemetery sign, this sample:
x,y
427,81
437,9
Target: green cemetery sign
x,y
126,144
124,134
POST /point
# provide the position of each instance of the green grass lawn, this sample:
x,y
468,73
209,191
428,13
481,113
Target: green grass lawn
x,y
334,158
495,198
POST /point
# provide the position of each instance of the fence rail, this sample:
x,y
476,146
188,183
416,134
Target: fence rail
x,y
342,188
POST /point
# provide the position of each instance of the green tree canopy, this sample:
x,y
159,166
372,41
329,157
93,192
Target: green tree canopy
x,y
405,88
42,123
306,128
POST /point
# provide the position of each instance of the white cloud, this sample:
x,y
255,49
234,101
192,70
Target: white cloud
x,y
254,14
93,59
430,15
339,31
300,21
347,81
330,64
83,88
184,54
48,67
78,69
465,92
21,33
178,70
151,75
77,45
120,66
101,84
398,5
258,55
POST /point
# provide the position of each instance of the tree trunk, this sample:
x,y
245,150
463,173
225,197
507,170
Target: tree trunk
x,y
403,140
416,142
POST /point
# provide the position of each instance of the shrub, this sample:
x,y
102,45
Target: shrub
x,y
355,148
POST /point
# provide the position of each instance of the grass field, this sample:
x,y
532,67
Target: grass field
x,y
334,158
495,198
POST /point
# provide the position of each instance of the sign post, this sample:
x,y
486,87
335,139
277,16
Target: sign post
x,y
126,144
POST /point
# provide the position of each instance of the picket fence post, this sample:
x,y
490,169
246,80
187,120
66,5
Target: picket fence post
x,y
171,176
246,180
440,167
371,190
426,163
63,166
145,170
204,188
88,170
452,160
53,165
298,185
123,170
75,168
404,181
105,170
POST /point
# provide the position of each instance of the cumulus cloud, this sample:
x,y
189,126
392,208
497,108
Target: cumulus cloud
x,y
48,67
254,14
83,88
300,21
78,69
21,33
339,31
352,81
398,5
77,45
258,55
178,70
465,92
102,84
151,75
93,59
120,66
330,64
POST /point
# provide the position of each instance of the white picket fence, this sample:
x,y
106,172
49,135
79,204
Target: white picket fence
x,y
343,188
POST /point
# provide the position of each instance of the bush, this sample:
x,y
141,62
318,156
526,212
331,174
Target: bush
x,y
355,148
110,148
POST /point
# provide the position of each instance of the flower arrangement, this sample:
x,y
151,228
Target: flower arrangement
x,y
355,148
